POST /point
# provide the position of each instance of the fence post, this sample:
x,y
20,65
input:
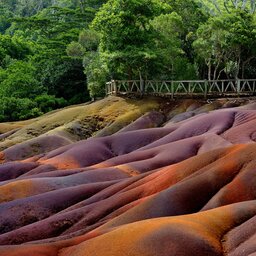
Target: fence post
x,y
205,88
238,86
114,87
172,89
111,87
142,86
222,88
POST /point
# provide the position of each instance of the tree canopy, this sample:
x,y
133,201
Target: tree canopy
x,y
63,51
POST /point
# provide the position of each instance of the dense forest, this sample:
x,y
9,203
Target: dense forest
x,y
59,52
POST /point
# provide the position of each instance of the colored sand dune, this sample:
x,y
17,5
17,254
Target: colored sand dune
x,y
131,177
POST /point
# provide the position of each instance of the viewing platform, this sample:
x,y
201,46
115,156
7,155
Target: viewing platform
x,y
186,88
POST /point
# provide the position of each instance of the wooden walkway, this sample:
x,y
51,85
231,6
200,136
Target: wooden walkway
x,y
187,88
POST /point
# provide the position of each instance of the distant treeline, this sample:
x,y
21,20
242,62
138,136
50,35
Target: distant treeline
x,y
59,52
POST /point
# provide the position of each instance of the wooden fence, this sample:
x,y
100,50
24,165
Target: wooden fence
x,y
187,88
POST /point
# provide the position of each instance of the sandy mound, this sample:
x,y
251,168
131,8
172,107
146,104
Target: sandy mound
x,y
158,178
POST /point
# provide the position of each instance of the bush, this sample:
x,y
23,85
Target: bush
x,y
79,98
12,109
48,103
19,81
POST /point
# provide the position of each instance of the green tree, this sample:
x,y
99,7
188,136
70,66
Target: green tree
x,y
35,70
52,30
18,80
5,18
215,7
86,49
13,48
12,109
192,16
227,43
173,62
127,37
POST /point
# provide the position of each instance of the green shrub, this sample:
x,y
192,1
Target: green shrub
x,y
12,109
48,103
79,98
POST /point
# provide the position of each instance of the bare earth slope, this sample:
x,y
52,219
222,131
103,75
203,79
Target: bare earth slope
x,y
131,177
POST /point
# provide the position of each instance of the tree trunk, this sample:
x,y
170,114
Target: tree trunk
x,y
209,69
215,71
238,64
220,73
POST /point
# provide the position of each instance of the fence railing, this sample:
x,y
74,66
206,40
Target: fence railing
x,y
187,88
